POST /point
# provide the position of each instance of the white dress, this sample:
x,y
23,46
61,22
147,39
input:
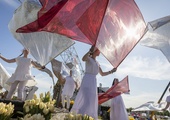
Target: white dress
x,y
86,101
22,72
117,109
69,87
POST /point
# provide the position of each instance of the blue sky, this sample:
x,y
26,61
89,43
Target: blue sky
x,y
148,69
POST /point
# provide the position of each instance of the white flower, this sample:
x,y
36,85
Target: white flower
x,y
46,111
41,105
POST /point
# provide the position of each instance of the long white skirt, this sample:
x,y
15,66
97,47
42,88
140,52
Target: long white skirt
x,y
87,100
117,109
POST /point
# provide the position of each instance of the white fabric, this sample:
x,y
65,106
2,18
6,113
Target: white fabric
x,y
158,36
22,72
4,76
43,46
69,87
168,98
91,66
150,106
86,101
117,109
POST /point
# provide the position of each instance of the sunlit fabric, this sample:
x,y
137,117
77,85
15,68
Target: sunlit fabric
x,y
115,90
43,46
63,21
158,36
4,76
150,106
122,28
114,26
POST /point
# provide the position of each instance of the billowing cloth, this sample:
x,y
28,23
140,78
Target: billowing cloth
x,y
150,106
4,76
115,28
22,72
115,90
43,46
69,87
157,36
117,109
86,101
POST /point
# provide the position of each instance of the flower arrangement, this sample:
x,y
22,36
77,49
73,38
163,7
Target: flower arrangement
x,y
6,111
39,108
72,116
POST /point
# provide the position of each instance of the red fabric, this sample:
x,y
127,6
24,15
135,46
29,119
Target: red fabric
x,y
65,21
117,89
104,23
121,30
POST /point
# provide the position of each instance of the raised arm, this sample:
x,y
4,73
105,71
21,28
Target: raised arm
x,y
37,65
7,60
106,73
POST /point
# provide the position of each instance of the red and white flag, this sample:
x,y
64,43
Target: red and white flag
x,y
115,90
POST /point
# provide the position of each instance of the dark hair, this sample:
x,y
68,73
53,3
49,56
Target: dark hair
x,y
114,81
21,54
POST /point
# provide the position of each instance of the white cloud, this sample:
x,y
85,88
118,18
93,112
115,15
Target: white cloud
x,y
150,68
43,81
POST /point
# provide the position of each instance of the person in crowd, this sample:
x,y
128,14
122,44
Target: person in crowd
x,y
117,108
86,101
168,102
69,87
22,74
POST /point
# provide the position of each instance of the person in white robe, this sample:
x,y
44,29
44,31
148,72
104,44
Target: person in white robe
x,y
86,101
22,74
69,87
117,108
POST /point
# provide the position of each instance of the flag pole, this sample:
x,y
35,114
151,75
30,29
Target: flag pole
x,y
153,112
164,92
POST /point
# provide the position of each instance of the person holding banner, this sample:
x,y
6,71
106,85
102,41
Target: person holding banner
x,y
117,108
168,102
22,74
86,101
69,87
